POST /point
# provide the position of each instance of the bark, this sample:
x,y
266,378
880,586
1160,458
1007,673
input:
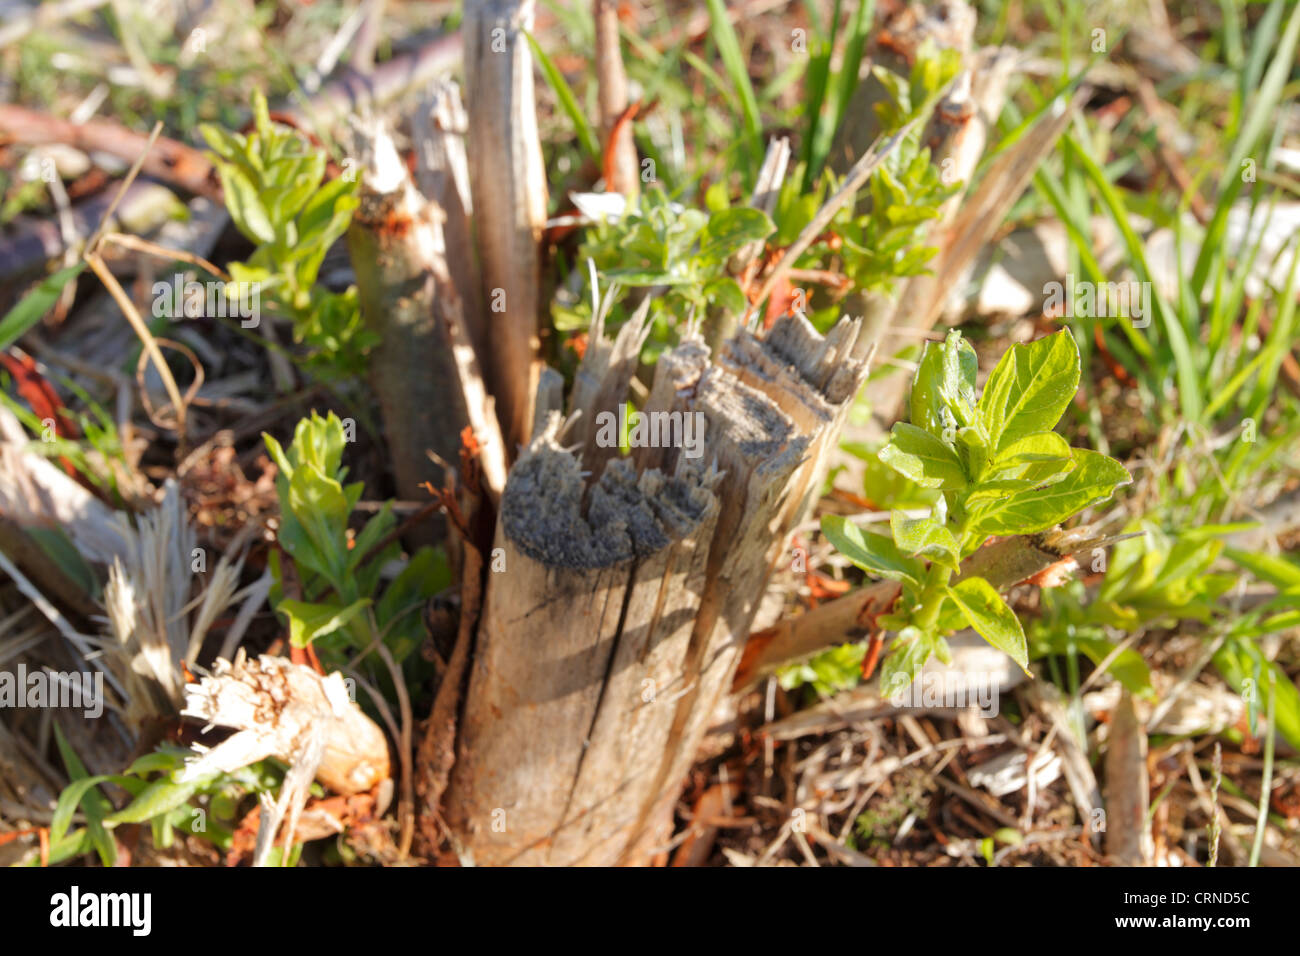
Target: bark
x,y
508,183
408,299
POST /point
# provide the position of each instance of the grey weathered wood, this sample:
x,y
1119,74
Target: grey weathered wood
x,y
438,131
508,183
616,624
584,606
602,381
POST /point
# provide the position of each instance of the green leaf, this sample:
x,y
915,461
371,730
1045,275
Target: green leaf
x,y
725,292
1277,571
908,654
371,534
922,457
924,408
261,114
1239,661
1127,666
289,201
873,553
729,231
229,146
244,204
989,615
68,802
944,381
564,94
1031,449
957,385
309,621
160,760
35,304
734,62
71,845
97,805
321,508
1030,389
924,536
1094,478
159,797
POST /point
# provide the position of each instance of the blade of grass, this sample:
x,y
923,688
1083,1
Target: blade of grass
x,y
1266,784
1279,342
1189,382
564,93
1263,111
95,804
733,62
845,83
816,90
35,304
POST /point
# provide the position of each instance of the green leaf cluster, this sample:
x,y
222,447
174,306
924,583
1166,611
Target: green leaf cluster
x,y
1151,580
657,243
273,190
873,241
158,798
340,576
999,469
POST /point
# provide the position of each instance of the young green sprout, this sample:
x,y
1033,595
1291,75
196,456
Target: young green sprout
x,y
1001,470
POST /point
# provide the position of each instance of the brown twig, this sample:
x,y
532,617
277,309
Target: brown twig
x,y
168,160
620,150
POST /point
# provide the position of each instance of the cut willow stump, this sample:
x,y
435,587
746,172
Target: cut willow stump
x,y
425,368
396,242
617,610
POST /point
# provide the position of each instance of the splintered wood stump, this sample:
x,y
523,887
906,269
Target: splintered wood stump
x,y
620,601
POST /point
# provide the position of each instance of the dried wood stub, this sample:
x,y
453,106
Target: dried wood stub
x,y
587,604
396,244
614,627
